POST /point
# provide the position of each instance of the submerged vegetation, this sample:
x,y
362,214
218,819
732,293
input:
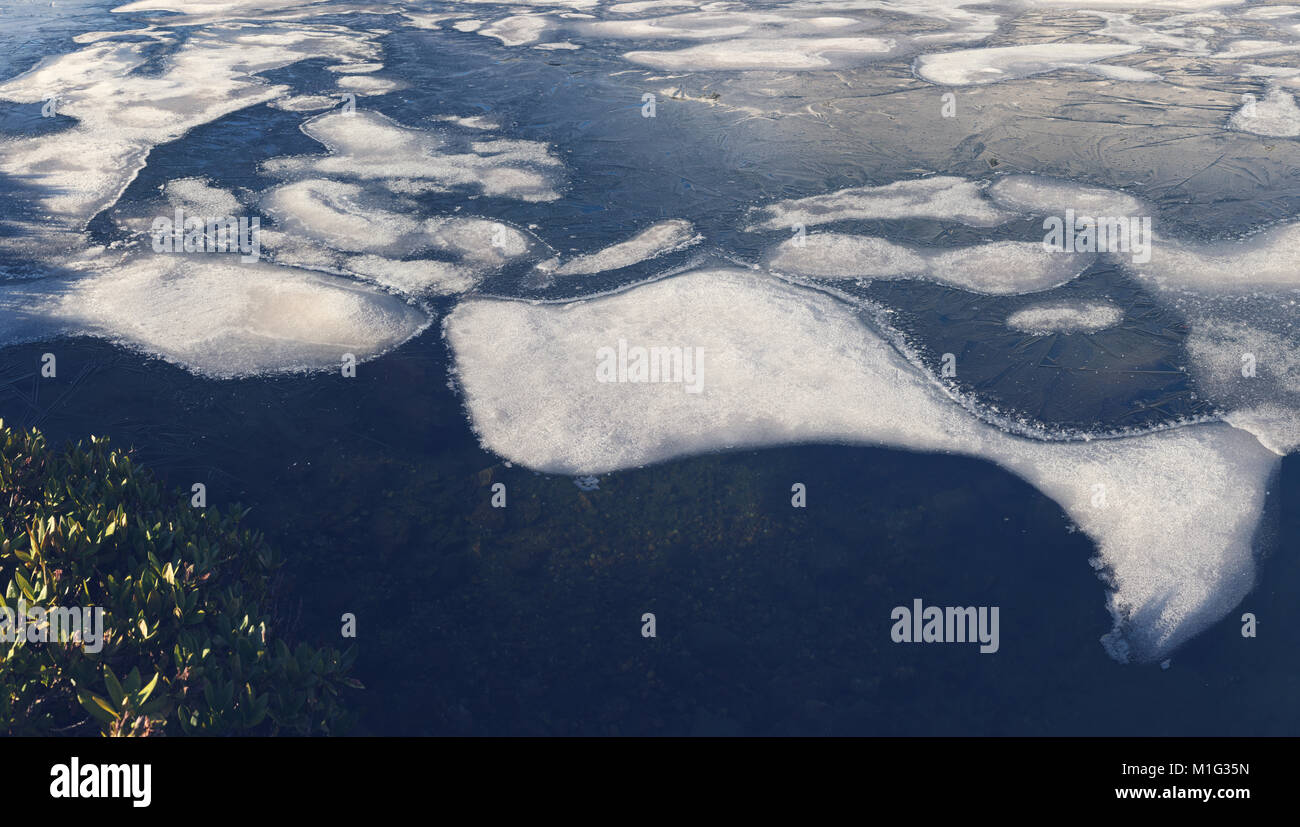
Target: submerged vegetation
x,y
190,642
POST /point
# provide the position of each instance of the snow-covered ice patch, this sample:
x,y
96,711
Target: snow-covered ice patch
x,y
967,67
1079,317
941,197
369,146
656,240
1276,116
993,268
792,54
214,315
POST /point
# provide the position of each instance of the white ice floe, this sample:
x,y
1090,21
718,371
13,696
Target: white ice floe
x,y
341,227
194,198
1231,353
214,315
1263,262
1006,267
339,214
95,37
369,84
1173,512
355,68
1075,317
479,240
940,197
792,54
1240,299
843,256
992,268
417,277
1249,363
967,67
640,6
1277,427
197,12
572,4
1169,5
1239,49
304,103
122,113
1277,115
948,198
197,196
656,240
1037,195
369,146
517,30
1270,12
470,122
1122,28
724,24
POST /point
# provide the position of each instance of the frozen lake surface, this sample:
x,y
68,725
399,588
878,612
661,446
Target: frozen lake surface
x,y
1047,248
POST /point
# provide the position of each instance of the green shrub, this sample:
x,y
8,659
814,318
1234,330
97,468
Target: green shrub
x,y
188,640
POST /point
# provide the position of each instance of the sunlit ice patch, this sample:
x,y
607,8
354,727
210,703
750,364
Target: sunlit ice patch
x,y
1175,542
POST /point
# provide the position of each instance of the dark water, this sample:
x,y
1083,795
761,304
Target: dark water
x,y
770,620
